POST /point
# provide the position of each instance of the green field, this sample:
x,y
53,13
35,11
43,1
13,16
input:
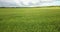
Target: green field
x,y
29,20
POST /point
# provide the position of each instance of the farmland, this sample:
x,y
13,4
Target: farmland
x,y
29,19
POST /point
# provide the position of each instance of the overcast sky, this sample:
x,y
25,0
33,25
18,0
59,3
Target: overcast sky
x,y
29,3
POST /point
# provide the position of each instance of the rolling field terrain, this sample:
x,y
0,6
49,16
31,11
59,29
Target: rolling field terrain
x,y
29,20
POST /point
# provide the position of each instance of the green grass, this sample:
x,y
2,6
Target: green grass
x,y
29,20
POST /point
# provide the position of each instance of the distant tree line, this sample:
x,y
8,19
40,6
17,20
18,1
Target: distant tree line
x,y
31,7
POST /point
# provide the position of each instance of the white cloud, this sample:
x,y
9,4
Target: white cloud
x,y
23,3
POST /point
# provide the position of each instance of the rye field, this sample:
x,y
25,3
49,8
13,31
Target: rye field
x,y
29,20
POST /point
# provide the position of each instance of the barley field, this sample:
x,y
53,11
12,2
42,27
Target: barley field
x,y
29,20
